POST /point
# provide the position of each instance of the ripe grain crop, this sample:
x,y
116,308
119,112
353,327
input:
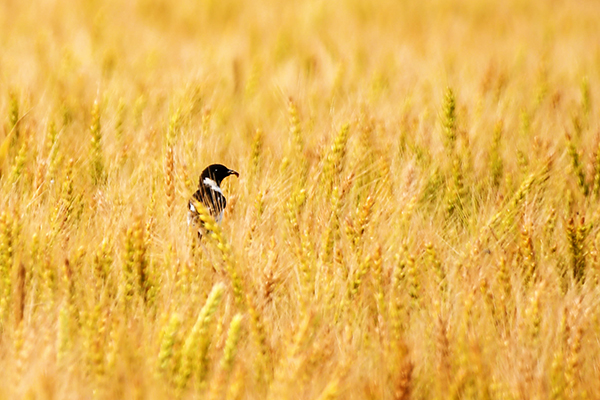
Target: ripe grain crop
x,y
417,214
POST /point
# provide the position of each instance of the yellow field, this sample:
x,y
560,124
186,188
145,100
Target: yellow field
x,y
417,214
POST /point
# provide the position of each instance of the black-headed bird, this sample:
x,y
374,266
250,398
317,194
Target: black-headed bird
x,y
209,193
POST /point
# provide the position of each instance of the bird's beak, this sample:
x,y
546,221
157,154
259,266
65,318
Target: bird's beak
x,y
232,172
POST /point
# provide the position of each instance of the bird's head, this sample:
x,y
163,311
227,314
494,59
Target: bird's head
x,y
217,172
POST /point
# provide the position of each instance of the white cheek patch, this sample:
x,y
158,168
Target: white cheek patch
x,y
192,208
212,184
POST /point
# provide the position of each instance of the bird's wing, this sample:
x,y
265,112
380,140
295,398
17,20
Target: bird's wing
x,y
214,201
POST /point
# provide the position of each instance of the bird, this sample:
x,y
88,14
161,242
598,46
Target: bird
x,y
209,194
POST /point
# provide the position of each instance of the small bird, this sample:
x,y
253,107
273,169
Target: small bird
x,y
210,194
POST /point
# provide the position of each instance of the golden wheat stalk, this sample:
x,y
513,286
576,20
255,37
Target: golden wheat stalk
x,y
195,348
215,233
227,360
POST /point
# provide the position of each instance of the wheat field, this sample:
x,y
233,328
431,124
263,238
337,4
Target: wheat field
x,y
417,213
